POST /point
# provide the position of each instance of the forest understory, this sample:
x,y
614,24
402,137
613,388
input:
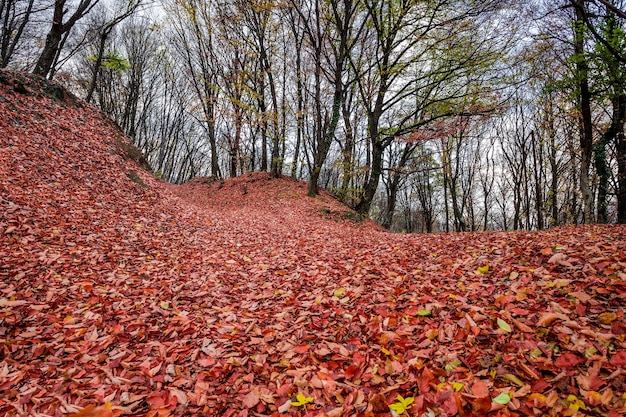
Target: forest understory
x,y
124,295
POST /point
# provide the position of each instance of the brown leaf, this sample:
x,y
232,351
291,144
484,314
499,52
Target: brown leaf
x,y
378,403
547,319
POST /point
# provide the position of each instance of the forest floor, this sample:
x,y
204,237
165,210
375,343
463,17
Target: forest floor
x,y
123,295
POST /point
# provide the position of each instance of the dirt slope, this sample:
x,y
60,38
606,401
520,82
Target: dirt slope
x,y
122,295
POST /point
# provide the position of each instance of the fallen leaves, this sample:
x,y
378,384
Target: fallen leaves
x,y
200,300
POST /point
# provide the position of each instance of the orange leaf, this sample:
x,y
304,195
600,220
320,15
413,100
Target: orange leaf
x,y
546,251
302,348
93,411
480,389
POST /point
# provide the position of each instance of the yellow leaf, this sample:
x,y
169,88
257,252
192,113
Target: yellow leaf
x,y
385,351
457,386
339,292
452,365
301,400
607,318
537,399
164,305
514,379
483,269
402,404
575,403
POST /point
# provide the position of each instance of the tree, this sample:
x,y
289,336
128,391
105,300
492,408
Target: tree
x,y
331,25
423,59
615,78
14,16
59,30
612,11
196,45
584,102
125,12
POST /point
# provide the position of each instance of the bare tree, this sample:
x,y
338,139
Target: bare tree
x,y
59,30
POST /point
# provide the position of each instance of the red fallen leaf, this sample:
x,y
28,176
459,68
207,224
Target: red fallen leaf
x,y
480,389
351,371
180,396
302,348
568,360
481,406
583,297
618,358
618,328
504,299
358,358
589,382
284,389
158,399
448,401
252,398
540,385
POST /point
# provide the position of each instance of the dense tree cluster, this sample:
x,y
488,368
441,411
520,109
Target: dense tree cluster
x,y
425,114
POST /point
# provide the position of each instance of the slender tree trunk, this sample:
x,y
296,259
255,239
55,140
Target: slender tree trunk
x,y
394,186
602,168
620,144
376,169
9,43
538,178
348,155
97,65
586,126
263,109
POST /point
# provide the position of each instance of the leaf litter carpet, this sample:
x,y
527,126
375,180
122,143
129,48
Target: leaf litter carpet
x,y
123,295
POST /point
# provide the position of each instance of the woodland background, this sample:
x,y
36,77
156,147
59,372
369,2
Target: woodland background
x,y
425,115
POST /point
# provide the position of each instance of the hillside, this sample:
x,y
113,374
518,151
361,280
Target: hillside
x,y
123,295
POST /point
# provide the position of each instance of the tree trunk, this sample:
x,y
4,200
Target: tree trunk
x,y
586,126
602,168
538,174
620,144
53,39
376,169
348,156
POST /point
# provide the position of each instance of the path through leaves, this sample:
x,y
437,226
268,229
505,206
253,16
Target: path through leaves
x,y
122,295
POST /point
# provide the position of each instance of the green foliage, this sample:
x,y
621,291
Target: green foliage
x,y
112,61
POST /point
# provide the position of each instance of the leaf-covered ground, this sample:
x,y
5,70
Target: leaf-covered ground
x,y
122,295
